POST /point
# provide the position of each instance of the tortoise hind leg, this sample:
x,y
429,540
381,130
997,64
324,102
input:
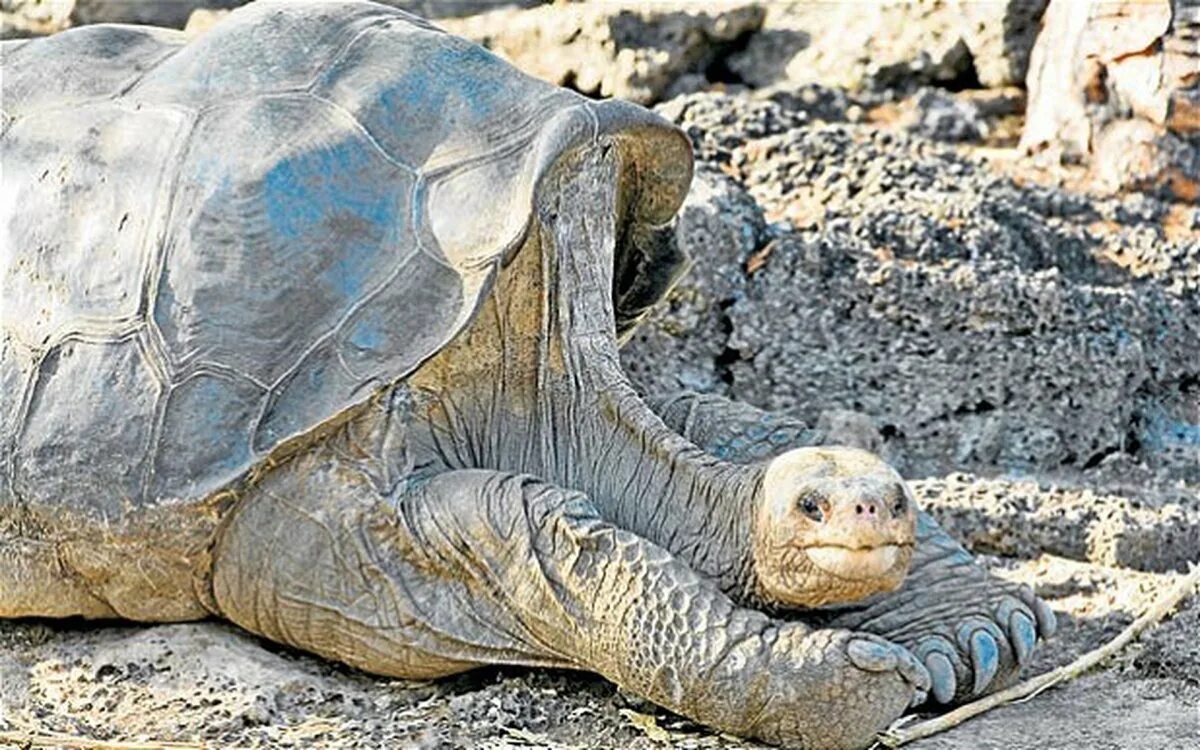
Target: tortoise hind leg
x,y
329,566
34,583
480,567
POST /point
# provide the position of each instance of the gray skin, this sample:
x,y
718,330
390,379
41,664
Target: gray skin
x,y
312,324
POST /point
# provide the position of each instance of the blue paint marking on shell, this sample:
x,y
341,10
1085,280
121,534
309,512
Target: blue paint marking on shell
x,y
366,334
477,92
213,397
322,193
290,204
780,438
412,92
458,89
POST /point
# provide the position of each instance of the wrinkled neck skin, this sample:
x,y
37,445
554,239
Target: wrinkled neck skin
x,y
535,386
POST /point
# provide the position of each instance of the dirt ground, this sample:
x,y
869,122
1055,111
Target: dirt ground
x,y
213,685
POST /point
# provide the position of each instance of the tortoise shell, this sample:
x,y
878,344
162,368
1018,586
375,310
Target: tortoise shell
x,y
213,247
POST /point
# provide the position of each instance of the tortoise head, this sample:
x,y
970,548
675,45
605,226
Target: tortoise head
x,y
833,525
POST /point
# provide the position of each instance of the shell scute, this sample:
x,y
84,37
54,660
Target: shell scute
x,y
68,438
90,63
263,47
101,173
202,444
272,244
414,312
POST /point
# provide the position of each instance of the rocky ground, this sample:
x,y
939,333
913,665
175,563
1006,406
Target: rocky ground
x,y
873,257
209,684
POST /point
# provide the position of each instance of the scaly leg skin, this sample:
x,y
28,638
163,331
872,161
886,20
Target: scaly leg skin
x,y
732,430
478,567
972,631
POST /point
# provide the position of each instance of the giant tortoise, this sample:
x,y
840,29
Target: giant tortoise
x,y
312,323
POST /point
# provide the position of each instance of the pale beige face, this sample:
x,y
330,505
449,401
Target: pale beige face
x,y
834,525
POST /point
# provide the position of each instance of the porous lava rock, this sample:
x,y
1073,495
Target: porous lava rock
x,y
636,51
976,321
1117,86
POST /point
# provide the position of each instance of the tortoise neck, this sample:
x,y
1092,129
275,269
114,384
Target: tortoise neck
x,y
601,437
648,479
535,386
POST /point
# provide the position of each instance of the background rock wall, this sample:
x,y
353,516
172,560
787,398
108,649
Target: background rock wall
x,y
973,322
1117,85
879,45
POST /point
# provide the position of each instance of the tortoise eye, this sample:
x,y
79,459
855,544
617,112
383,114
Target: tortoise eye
x,y
901,504
810,508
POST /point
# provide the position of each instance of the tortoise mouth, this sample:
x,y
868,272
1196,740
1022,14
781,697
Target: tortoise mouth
x,y
861,563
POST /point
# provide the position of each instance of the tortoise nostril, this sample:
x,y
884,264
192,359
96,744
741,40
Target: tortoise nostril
x,y
869,509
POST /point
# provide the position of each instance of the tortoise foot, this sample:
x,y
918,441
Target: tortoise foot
x,y
972,631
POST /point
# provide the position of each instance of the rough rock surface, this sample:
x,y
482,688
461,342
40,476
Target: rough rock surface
x,y
977,322
938,116
636,51
172,13
882,45
21,18
1117,84
1019,518
203,19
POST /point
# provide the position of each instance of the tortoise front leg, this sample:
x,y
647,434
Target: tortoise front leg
x,y
732,430
972,630
481,567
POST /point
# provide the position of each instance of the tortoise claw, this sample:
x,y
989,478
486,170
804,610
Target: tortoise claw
x,y
985,658
880,656
1023,635
1047,622
941,672
914,672
871,656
